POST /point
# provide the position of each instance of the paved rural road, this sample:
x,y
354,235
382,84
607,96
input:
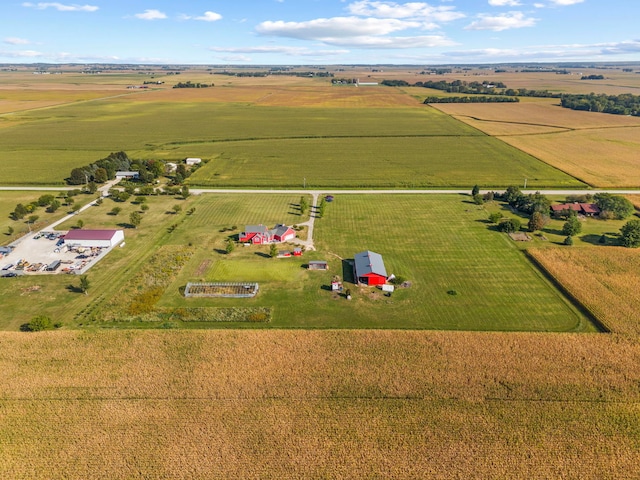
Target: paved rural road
x,y
198,191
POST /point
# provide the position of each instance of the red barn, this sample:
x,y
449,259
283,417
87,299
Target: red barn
x,y
370,268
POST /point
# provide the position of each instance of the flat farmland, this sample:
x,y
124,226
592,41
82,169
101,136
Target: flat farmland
x,y
439,244
298,404
376,162
360,144
607,156
603,279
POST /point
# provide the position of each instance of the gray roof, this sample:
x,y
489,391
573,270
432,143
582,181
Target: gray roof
x,y
280,230
369,262
255,229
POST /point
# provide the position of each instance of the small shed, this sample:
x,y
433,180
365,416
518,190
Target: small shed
x,y
297,252
318,265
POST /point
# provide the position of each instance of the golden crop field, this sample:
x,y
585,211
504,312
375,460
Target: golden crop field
x,y
597,148
318,404
605,280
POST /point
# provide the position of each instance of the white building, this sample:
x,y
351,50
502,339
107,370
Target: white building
x,y
193,161
94,238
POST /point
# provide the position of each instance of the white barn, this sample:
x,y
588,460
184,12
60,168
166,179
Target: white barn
x,y
94,238
193,161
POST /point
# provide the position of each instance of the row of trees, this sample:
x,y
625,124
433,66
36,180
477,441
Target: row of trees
x,y
478,99
623,104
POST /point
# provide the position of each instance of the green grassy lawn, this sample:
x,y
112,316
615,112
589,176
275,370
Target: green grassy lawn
x,y
269,146
438,243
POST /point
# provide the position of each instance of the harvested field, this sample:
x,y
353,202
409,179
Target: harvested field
x,y
608,152
292,404
605,280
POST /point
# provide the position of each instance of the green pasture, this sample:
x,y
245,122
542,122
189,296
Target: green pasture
x,y
268,146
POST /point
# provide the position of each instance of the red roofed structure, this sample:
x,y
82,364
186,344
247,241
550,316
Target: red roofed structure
x,y
94,238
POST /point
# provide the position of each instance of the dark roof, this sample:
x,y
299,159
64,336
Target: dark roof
x,y
90,234
368,262
566,206
280,230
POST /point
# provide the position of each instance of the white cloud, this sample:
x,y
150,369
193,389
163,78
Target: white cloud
x,y
413,10
151,15
209,17
565,2
16,41
292,51
503,3
21,54
502,22
62,7
337,27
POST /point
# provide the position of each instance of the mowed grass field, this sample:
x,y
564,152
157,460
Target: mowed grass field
x,y
607,155
318,404
439,244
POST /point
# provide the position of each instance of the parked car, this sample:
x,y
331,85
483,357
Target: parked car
x,y
10,274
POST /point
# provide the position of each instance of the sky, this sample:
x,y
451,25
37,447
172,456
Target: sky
x,y
319,32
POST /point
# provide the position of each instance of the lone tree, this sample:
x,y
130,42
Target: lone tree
x,y
230,246
509,225
536,222
572,226
630,234
303,204
39,323
135,219
84,284
475,190
273,250
185,192
495,217
176,209
568,241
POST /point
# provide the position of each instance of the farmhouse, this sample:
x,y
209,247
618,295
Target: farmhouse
x,y
369,268
94,238
587,209
124,174
260,234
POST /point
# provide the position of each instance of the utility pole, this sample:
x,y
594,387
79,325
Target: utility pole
x,y
304,182
525,183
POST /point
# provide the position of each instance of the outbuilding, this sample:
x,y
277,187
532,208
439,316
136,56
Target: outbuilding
x,y
318,265
192,161
94,238
125,174
369,268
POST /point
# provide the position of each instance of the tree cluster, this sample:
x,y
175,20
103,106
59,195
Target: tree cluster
x,y
613,206
534,202
105,169
623,104
189,84
592,77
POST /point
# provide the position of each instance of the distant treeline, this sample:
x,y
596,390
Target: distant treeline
x,y
276,72
474,88
189,84
623,104
592,77
476,99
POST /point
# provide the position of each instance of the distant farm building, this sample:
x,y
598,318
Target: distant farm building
x,y
94,238
260,234
369,268
124,174
587,209
171,167
192,161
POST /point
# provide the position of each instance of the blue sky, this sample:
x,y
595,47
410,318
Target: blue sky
x,y
292,32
